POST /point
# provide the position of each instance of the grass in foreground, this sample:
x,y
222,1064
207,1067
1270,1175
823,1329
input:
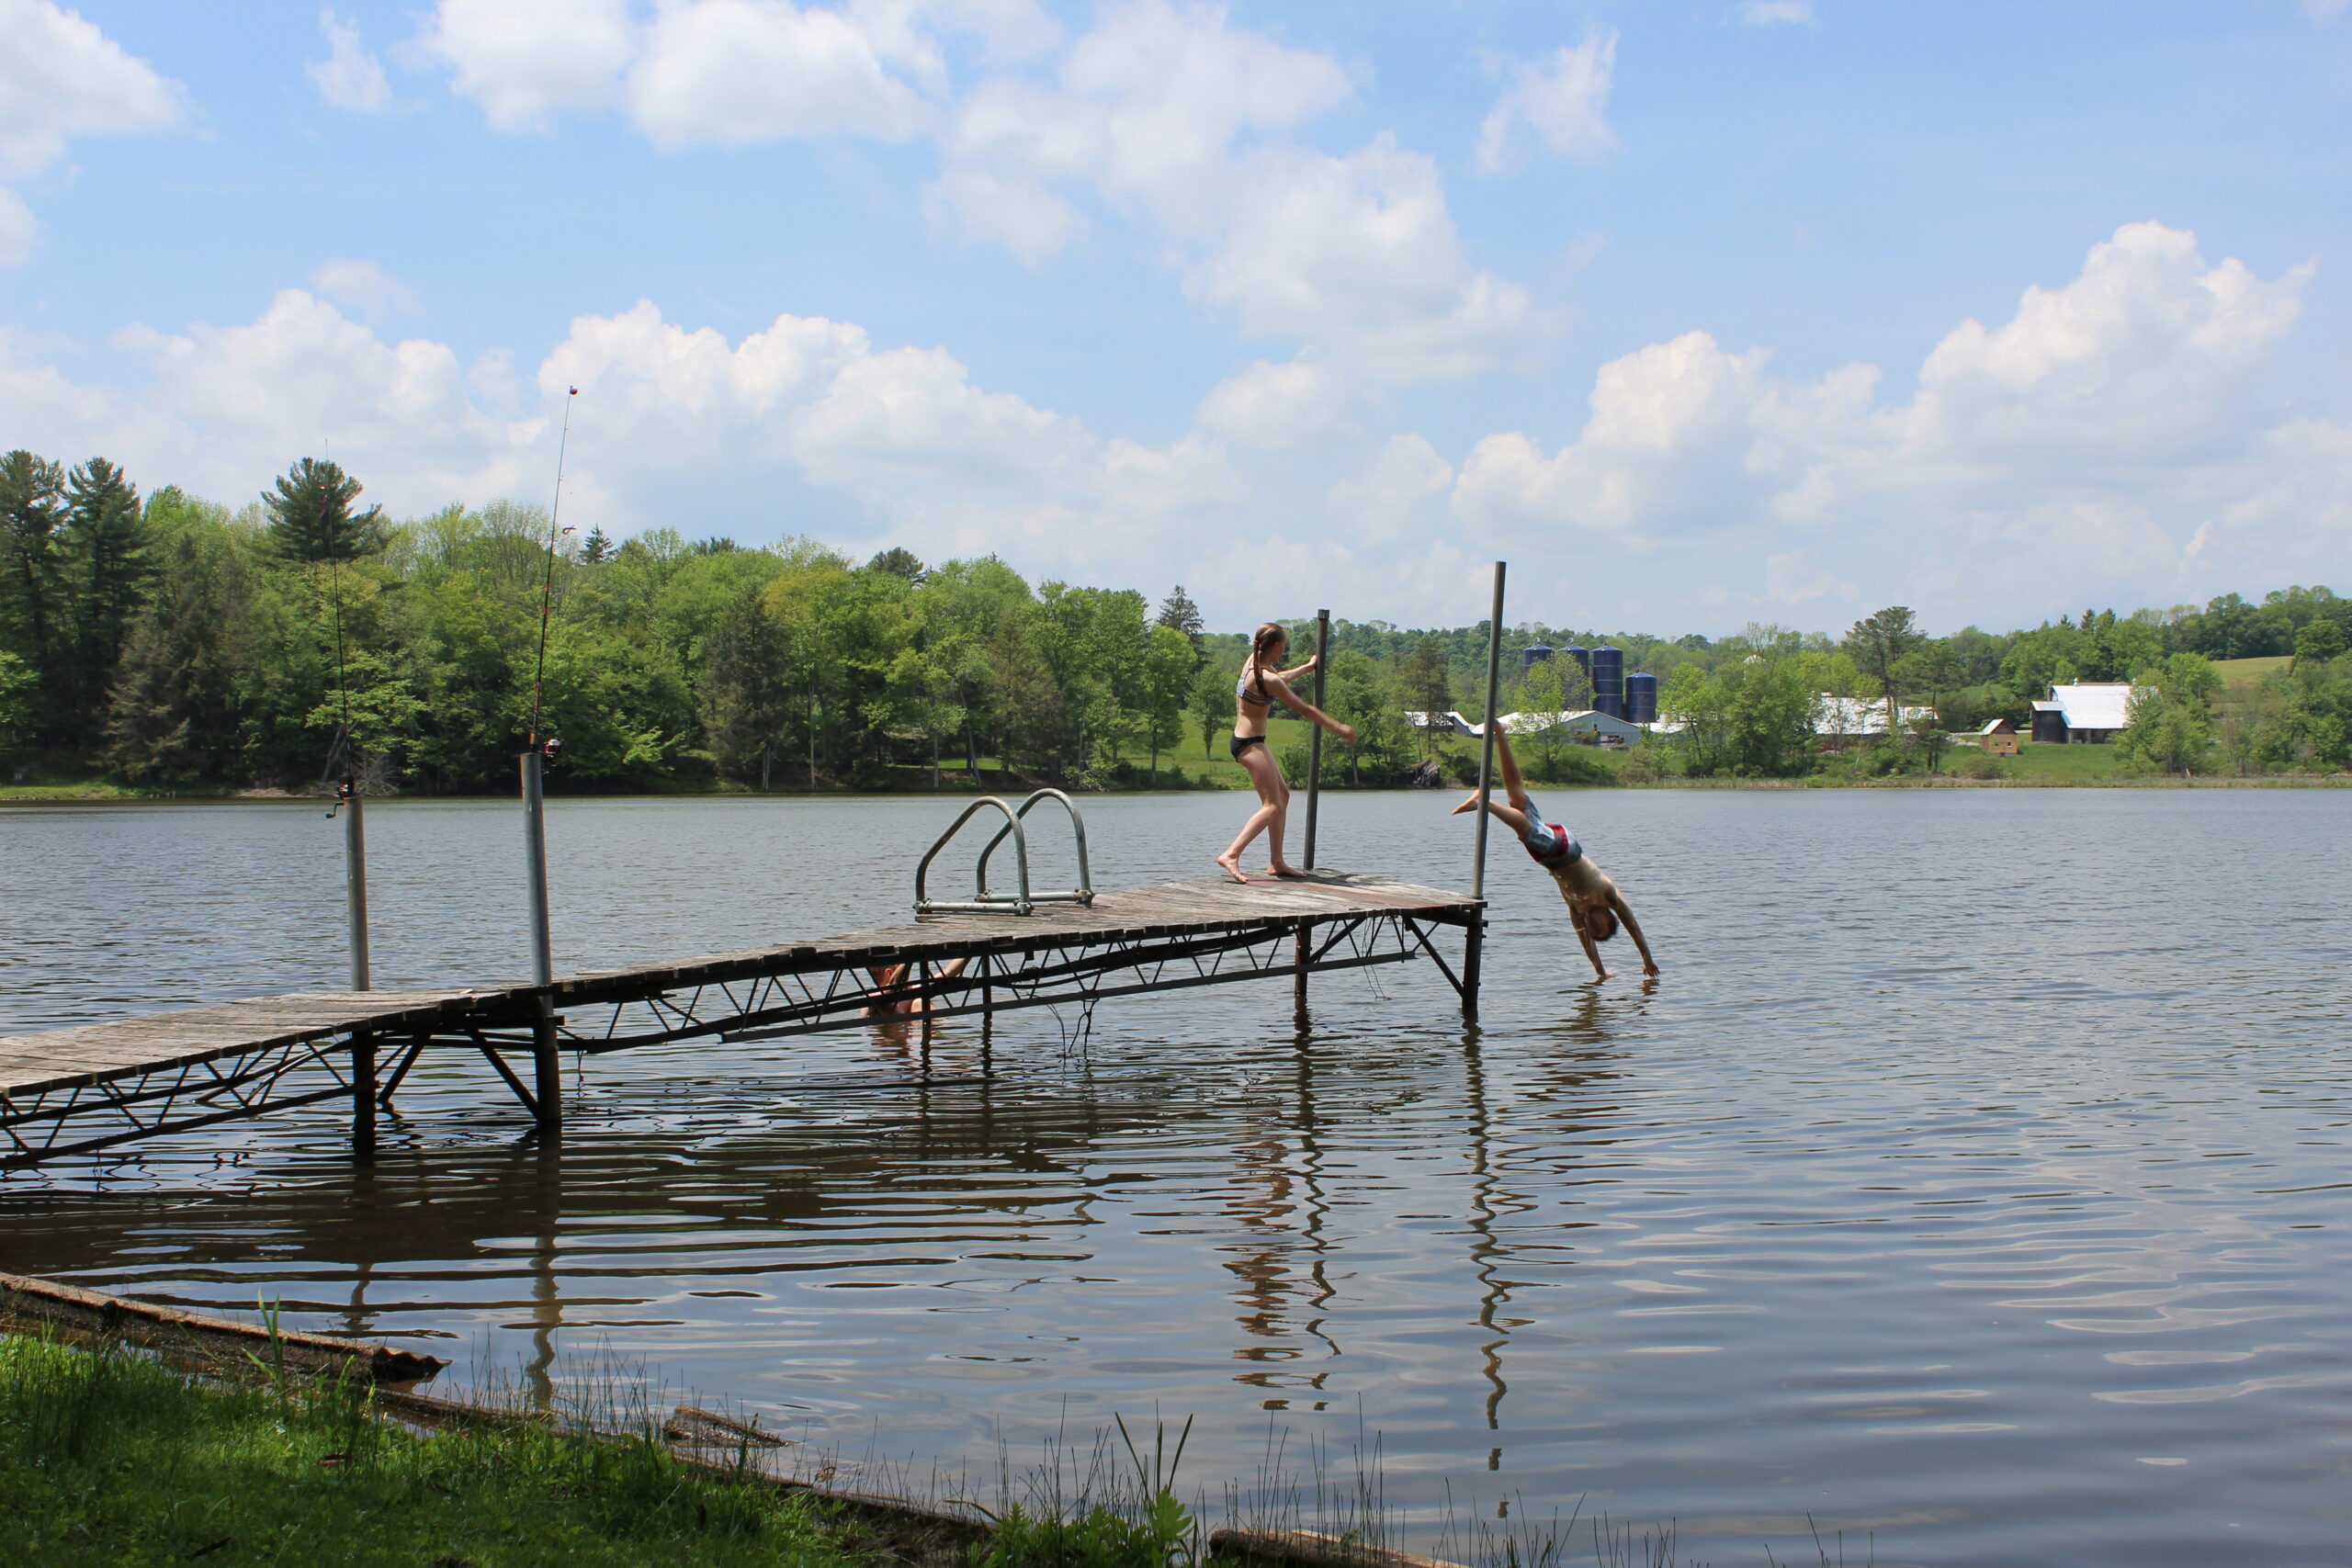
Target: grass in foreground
x,y
108,1458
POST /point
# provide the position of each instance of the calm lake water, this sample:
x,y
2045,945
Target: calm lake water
x,y
1975,1178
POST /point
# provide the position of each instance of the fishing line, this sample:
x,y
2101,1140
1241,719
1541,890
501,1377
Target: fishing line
x,y
341,749
547,593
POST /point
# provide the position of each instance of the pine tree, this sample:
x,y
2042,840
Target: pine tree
x,y
175,712
33,590
311,517
1178,613
595,547
899,562
105,544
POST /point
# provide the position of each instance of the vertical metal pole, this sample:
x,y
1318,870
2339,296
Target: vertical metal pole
x,y
355,880
535,867
546,1071
1315,746
1475,942
363,1093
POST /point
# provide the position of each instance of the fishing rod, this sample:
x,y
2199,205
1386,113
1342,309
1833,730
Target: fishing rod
x,y
547,590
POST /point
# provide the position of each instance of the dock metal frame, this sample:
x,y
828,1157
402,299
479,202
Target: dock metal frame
x,y
80,1090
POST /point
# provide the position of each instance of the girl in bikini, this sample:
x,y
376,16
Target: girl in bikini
x,y
1595,906
1263,684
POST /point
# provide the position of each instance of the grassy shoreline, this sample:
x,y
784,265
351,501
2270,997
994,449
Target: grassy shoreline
x,y
1187,771
110,1457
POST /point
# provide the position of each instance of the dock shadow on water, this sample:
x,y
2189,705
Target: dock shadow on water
x,y
1968,1188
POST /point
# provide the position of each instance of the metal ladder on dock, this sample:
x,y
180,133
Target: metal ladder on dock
x,y
1025,901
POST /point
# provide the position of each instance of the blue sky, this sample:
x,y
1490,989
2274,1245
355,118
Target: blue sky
x,y
1696,312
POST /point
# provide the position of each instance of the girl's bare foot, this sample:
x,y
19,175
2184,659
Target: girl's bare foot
x,y
1231,866
1469,805
1282,870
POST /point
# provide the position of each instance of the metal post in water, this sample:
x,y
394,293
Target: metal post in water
x,y
535,866
363,1093
355,880
1315,738
546,1071
1476,938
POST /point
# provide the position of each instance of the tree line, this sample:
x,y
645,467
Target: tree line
x,y
168,640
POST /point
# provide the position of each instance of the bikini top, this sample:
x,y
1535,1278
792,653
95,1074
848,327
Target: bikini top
x,y
1241,689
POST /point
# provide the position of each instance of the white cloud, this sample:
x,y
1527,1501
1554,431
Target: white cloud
x,y
722,73
1164,112
59,76
896,441
740,71
1171,116
350,77
1776,13
527,63
2139,368
1146,109
1385,500
2105,434
2324,11
1277,405
364,287
16,228
1359,255
1659,449
1562,103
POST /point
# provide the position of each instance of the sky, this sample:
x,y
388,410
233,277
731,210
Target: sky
x,y
1697,312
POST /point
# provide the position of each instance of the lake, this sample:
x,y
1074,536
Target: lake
x,y
1974,1181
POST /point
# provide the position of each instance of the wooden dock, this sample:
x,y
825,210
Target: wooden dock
x,y
70,1091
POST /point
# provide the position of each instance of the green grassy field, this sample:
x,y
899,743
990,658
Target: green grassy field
x,y
2245,672
2046,764
110,1458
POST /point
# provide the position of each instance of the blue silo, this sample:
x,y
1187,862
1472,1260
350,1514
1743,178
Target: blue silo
x,y
1641,697
1534,654
1609,681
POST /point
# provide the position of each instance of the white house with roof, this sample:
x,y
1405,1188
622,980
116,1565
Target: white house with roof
x,y
1583,723
2084,713
1847,718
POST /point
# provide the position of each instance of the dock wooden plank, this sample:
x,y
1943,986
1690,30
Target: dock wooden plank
x,y
128,1047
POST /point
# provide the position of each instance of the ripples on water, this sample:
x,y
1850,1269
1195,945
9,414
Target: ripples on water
x,y
1975,1176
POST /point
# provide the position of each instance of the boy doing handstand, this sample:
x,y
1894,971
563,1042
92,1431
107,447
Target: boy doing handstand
x,y
1595,906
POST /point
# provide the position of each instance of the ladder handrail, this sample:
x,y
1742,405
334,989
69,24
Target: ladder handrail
x,y
1083,894
1020,903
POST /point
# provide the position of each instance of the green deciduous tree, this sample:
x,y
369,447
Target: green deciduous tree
x,y
2319,642
1165,681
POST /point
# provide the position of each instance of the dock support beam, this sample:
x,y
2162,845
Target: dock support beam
x,y
1475,938
547,1069
355,879
1315,738
363,1093
535,867
1314,784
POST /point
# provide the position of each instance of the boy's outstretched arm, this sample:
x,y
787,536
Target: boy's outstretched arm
x,y
1633,929
1592,951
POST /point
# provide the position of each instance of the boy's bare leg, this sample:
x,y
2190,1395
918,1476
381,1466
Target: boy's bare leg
x,y
1508,816
1516,813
